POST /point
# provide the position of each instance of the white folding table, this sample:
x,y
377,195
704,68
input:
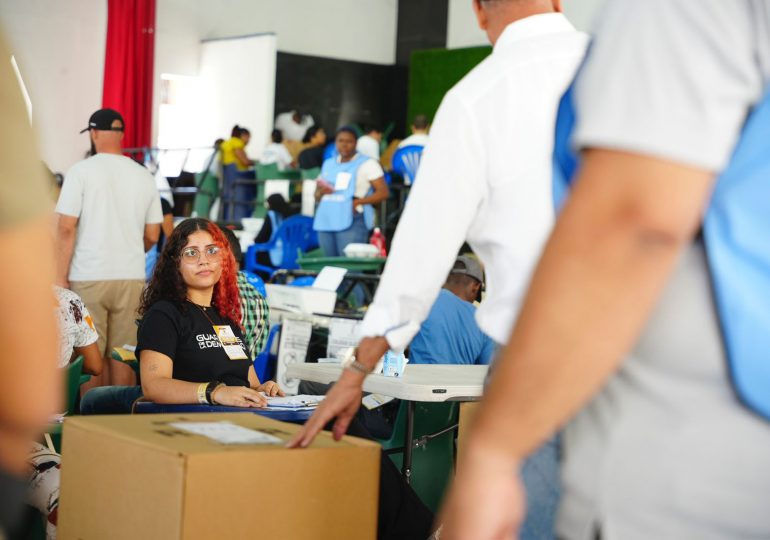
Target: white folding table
x,y
420,382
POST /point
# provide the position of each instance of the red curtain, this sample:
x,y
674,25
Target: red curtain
x,y
128,66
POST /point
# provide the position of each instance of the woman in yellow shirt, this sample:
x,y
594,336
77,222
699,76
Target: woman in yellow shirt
x,y
233,149
237,198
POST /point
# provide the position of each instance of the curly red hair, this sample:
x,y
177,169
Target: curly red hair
x,y
227,298
167,283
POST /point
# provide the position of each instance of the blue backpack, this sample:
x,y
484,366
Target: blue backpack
x,y
736,233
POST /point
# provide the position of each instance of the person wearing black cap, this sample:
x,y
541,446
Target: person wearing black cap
x,y
109,215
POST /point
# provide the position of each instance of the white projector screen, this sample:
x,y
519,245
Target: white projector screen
x,y
238,77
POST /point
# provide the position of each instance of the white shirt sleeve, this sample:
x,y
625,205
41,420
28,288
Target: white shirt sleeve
x,y
154,210
367,173
448,190
70,201
670,79
86,332
284,157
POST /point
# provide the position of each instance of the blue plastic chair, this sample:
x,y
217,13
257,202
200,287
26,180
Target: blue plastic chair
x,y
256,282
302,281
330,151
406,161
295,235
262,365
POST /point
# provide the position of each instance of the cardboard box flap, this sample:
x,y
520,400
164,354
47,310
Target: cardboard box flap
x,y
156,431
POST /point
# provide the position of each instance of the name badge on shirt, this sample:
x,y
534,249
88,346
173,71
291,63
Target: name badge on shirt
x,y
230,342
342,182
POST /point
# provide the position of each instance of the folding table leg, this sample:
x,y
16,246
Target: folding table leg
x,y
406,470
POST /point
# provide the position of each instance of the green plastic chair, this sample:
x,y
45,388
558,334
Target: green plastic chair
x,y
433,459
310,174
264,172
73,378
208,191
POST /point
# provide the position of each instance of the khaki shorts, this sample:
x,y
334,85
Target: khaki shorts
x,y
113,306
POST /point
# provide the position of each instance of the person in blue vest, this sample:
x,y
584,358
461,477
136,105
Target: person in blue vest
x,y
646,328
349,186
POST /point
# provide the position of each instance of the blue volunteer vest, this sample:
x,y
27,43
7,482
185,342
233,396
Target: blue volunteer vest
x,y
335,211
736,234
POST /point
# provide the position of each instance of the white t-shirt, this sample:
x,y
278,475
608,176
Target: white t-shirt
x,y
113,197
276,153
666,450
76,328
369,171
368,146
418,139
293,131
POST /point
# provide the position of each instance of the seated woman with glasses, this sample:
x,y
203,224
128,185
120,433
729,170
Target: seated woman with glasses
x,y
191,350
189,345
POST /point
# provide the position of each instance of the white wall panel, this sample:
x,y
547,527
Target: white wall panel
x,y
59,47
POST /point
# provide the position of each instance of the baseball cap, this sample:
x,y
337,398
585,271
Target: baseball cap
x,y
470,266
103,119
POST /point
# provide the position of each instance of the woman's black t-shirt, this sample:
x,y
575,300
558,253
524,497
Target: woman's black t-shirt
x,y
186,335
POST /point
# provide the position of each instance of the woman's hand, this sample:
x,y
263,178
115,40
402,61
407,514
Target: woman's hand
x,y
238,396
270,388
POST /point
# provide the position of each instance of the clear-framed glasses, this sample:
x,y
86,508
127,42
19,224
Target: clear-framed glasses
x,y
192,255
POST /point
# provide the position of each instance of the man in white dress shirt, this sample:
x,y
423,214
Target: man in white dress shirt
x,y
489,165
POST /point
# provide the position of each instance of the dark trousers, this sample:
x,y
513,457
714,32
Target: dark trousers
x,y
402,515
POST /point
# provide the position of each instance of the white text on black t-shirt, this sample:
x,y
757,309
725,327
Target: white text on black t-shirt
x,y
207,341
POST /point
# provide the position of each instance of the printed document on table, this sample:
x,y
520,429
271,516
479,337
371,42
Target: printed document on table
x,y
294,402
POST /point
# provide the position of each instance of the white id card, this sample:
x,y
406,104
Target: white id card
x,y
342,181
230,342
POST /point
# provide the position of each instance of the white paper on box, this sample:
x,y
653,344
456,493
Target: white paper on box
x,y
227,433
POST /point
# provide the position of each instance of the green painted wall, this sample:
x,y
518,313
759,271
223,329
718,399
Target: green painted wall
x,y
434,71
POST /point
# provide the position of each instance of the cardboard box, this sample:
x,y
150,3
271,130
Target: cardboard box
x,y
300,299
139,477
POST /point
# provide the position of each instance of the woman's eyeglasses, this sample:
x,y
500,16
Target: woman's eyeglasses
x,y
193,255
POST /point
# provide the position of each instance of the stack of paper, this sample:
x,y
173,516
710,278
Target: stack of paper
x,y
297,403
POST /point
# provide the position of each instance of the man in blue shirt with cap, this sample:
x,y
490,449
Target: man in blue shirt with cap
x,y
450,334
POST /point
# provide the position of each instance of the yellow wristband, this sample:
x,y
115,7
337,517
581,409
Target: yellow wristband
x,y
202,393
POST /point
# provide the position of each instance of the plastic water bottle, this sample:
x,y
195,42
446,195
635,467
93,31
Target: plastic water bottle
x,y
378,240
